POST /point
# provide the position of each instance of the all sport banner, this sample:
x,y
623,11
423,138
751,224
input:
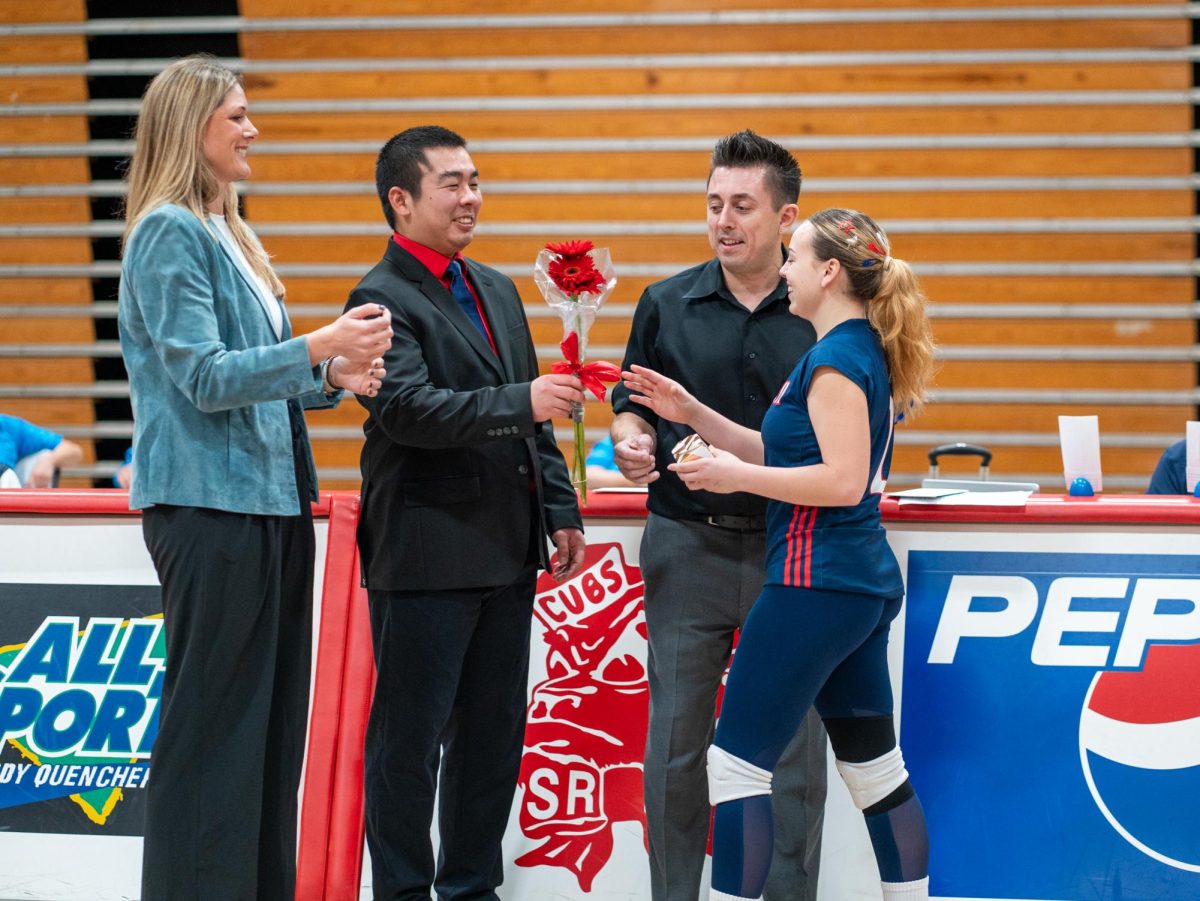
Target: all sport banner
x,y
81,672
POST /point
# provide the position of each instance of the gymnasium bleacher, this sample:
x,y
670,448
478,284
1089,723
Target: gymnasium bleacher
x,y
1036,163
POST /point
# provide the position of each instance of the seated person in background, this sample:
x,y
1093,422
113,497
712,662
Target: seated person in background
x,y
602,471
123,477
1170,476
49,452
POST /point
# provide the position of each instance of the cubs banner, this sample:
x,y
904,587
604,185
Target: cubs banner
x,y
1051,722
581,773
79,695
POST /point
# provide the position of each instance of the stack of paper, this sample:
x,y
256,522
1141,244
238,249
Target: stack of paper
x,y
961,497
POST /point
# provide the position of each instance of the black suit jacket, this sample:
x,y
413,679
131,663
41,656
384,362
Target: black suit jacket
x,y
455,471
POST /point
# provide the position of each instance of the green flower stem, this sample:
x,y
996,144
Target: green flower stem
x,y
579,466
579,476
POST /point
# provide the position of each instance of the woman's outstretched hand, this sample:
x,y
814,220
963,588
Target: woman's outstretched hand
x,y
666,397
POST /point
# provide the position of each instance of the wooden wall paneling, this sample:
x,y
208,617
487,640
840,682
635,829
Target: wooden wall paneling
x,y
41,48
649,123
1031,417
285,8
634,207
651,80
43,210
539,164
29,210
718,38
946,289
685,248
46,170
950,137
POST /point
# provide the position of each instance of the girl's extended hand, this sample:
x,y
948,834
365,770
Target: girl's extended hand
x,y
666,397
722,474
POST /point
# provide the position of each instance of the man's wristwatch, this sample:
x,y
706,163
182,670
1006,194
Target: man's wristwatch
x,y
326,385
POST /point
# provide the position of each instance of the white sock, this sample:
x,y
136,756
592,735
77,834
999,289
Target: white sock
x,y
714,895
918,890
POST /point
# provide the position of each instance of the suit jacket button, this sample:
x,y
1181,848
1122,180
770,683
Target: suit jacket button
x,y
491,433
523,469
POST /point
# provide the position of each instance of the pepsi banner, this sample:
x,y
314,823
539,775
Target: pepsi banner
x,y
1051,722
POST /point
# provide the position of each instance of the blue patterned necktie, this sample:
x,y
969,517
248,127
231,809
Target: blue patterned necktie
x,y
458,287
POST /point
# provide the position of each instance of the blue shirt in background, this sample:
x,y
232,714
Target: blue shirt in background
x,y
19,438
1170,476
602,455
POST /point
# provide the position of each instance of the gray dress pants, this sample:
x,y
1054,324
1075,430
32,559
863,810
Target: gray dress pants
x,y
701,582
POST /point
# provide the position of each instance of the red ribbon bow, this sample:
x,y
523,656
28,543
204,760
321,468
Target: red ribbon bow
x,y
593,375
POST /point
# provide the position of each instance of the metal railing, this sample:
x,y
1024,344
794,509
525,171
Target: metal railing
x,y
680,19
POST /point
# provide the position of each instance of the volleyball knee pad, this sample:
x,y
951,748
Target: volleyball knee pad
x,y
730,778
876,781
857,739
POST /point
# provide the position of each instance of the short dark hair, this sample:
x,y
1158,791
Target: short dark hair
x,y
746,150
402,161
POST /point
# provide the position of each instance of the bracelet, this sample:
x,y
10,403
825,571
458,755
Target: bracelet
x,y
326,385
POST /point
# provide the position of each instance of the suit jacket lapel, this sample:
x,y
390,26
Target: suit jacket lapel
x,y
253,289
441,298
497,316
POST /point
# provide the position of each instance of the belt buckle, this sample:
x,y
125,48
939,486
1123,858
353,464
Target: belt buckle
x,y
728,521
735,522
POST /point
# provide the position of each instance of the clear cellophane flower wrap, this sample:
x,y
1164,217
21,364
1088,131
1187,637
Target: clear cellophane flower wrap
x,y
576,279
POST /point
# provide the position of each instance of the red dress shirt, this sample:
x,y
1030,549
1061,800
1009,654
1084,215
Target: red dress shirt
x,y
437,264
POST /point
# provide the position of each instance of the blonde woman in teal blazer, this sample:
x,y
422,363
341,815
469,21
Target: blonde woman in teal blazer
x,y
225,477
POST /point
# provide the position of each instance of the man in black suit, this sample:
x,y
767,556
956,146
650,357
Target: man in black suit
x,y
462,482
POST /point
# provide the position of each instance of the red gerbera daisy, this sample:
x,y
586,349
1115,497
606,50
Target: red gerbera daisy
x,y
570,249
576,275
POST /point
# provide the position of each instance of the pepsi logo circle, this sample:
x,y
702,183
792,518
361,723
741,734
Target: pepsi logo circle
x,y
1139,744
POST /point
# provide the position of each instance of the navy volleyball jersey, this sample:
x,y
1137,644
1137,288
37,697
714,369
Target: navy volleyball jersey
x,y
832,548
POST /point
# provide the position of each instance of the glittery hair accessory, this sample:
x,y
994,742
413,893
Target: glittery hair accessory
x,y
848,228
881,252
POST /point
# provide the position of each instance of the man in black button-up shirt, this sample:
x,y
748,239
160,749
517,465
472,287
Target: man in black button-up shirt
x,y
723,330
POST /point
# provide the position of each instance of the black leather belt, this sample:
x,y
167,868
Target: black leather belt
x,y
737,523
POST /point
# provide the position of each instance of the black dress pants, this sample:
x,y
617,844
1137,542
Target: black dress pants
x,y
221,804
452,673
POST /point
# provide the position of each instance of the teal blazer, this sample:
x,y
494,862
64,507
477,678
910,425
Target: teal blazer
x,y
208,379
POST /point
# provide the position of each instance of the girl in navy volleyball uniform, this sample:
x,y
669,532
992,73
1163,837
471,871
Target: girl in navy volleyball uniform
x,y
834,548
817,634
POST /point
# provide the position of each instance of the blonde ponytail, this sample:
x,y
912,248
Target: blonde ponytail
x,y
897,313
895,302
